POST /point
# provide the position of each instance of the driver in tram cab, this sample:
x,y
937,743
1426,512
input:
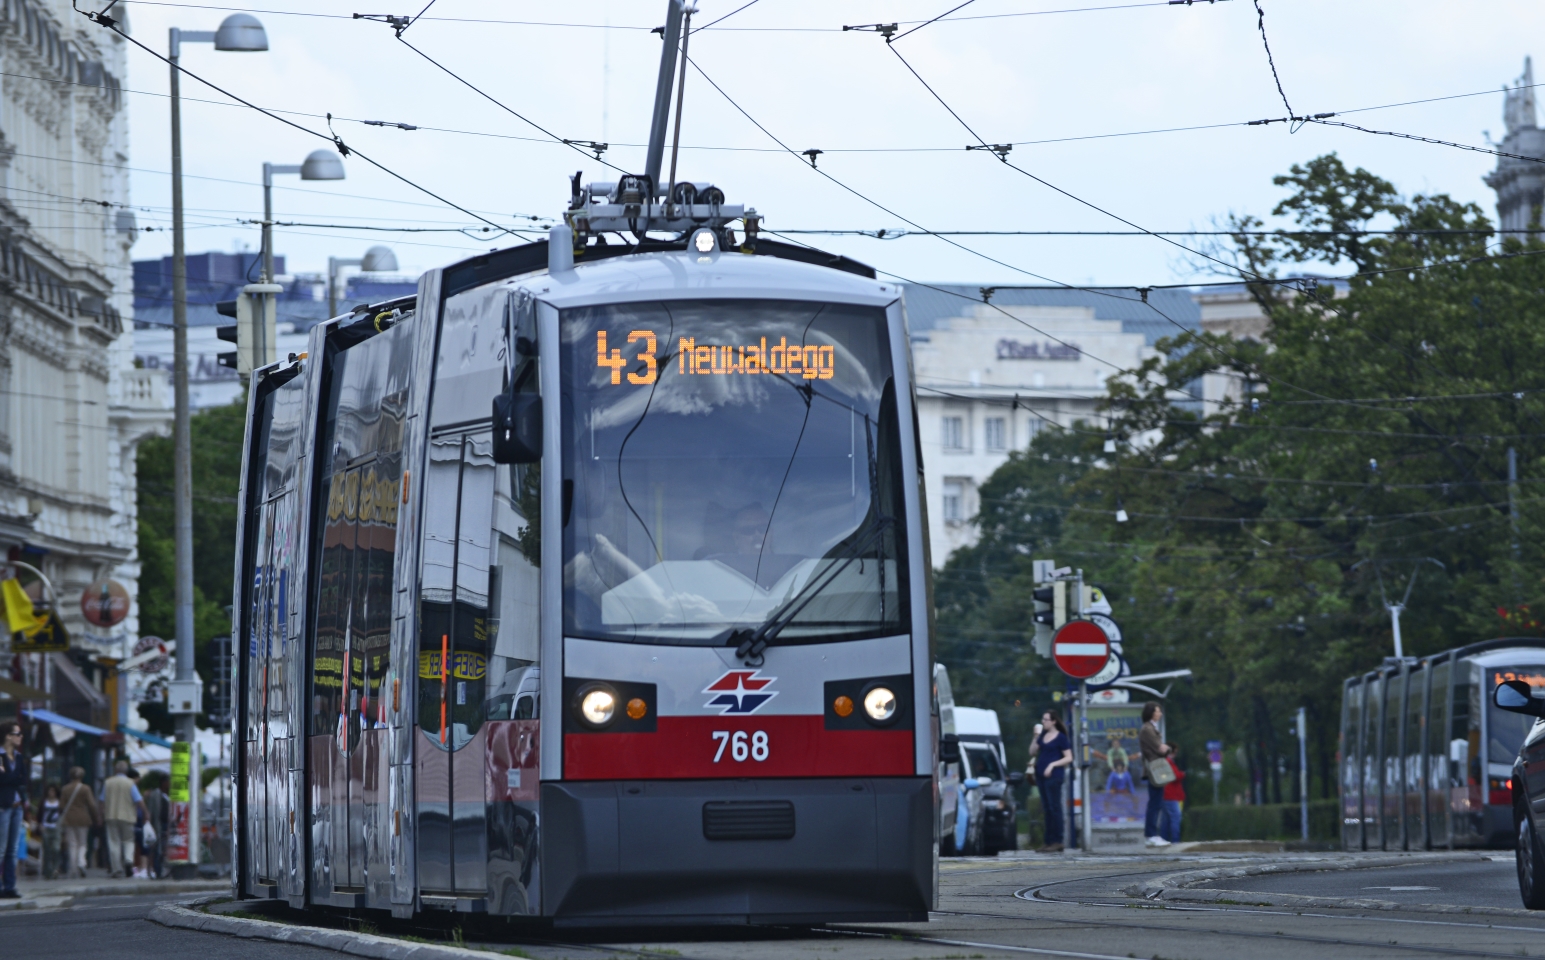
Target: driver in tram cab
x,y
750,552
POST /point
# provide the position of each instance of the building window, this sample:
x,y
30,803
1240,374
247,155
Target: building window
x,y
1033,427
954,500
997,433
953,434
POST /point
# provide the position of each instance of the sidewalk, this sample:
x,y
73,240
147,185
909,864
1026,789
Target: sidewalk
x,y
39,893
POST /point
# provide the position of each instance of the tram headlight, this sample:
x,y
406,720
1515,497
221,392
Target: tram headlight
x,y
597,705
880,704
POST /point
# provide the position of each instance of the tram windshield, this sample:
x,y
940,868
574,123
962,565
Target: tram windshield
x,y
727,462
1508,730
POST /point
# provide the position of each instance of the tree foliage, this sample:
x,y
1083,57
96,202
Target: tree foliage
x,y
217,438
1368,432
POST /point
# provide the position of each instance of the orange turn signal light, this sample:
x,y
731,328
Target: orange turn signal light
x,y
637,708
843,706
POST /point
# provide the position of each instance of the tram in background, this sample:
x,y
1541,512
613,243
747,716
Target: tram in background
x,y
1425,756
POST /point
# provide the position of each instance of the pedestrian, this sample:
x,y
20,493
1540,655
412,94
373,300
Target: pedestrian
x,y
78,815
48,823
15,777
1174,797
141,817
1152,743
121,807
156,808
1052,754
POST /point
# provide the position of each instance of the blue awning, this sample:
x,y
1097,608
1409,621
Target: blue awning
x,y
49,716
142,735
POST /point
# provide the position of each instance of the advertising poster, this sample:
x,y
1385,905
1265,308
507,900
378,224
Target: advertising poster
x,y
179,826
1118,795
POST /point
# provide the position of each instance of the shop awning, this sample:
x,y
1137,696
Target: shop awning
x,y
142,735
49,716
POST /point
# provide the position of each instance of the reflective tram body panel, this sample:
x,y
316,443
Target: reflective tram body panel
x,y
728,442
1425,758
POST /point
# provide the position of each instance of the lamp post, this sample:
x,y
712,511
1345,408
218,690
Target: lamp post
x,y
376,259
319,165
239,33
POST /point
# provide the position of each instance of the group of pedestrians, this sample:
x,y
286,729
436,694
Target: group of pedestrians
x,y
1051,756
133,822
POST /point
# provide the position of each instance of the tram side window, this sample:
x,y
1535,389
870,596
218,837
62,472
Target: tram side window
x,y
1350,727
332,608
438,584
378,536
1464,742
1437,727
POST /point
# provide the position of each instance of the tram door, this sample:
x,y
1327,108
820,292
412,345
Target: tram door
x,y
455,634
353,655
267,731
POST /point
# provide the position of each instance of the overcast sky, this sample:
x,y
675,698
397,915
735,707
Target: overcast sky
x,y
1043,77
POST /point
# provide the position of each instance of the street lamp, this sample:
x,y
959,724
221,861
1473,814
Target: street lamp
x,y
376,259
319,165
238,33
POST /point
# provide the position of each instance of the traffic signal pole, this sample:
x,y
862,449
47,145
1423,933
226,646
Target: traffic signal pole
x,y
1085,818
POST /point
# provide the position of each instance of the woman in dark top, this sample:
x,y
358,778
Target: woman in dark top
x,y
1052,753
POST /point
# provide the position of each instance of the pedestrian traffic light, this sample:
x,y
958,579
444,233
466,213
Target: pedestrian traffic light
x,y
254,330
1051,612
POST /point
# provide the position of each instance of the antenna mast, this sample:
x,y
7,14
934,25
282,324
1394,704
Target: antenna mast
x,y
662,94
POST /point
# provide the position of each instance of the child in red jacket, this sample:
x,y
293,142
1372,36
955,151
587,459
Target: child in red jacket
x,y
1174,799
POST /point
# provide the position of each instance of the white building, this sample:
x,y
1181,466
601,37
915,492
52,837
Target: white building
x,y
72,405
989,377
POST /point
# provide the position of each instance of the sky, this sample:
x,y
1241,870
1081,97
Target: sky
x,y
1013,70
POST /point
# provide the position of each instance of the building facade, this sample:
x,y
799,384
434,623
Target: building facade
x,y
991,376
72,405
1520,184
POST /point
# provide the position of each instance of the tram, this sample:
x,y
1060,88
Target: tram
x,y
1425,757
592,584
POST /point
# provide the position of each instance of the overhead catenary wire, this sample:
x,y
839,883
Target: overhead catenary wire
x,y
113,25
640,28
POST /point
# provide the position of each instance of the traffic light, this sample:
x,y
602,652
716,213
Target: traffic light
x,y
1051,612
254,330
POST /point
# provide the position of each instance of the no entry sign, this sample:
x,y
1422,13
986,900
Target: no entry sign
x,y
1080,649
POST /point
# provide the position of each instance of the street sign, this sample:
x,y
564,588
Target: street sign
x,y
1111,627
1109,673
1215,757
1080,649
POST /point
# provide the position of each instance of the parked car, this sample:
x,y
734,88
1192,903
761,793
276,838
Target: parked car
x,y
981,741
1527,787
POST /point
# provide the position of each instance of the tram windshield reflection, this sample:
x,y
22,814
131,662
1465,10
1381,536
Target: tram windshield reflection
x,y
721,455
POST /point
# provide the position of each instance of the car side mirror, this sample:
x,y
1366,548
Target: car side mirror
x,y
517,428
1016,777
949,748
1516,696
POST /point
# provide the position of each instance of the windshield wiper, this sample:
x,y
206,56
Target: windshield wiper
x,y
750,643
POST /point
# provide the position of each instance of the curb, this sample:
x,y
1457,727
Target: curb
x,y
351,944
67,896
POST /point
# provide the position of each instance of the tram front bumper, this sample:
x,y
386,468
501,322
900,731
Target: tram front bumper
x,y
785,851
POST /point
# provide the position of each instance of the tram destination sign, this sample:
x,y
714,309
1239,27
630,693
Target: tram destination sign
x,y
1080,649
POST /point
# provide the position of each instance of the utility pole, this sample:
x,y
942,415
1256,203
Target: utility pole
x,y
241,33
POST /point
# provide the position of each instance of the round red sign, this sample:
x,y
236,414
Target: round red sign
x,y
105,603
1080,649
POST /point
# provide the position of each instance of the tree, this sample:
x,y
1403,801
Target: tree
x,y
1374,432
217,443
